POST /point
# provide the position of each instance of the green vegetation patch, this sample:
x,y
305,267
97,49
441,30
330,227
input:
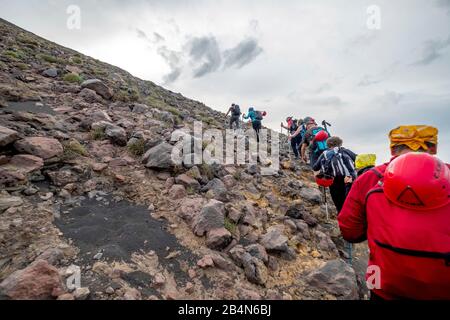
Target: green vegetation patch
x,y
73,78
137,148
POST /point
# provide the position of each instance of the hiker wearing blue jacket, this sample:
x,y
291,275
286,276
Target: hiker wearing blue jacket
x,y
256,118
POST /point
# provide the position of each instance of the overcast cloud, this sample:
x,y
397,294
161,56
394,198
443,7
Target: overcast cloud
x,y
292,57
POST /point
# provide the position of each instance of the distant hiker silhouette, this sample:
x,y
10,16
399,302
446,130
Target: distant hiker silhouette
x,y
256,118
235,111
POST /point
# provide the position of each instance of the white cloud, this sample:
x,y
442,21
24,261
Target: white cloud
x,y
321,52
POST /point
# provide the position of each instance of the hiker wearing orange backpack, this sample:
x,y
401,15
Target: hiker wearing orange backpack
x,y
402,208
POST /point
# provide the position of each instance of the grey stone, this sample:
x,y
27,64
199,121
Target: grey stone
x,y
274,241
7,202
99,87
337,278
312,195
51,73
159,157
211,217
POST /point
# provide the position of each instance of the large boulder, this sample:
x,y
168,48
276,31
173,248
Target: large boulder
x,y
211,217
255,270
51,73
63,177
99,87
45,148
7,202
15,170
275,241
312,195
177,191
190,207
188,182
39,281
159,157
90,96
258,251
140,108
218,239
117,135
25,163
337,278
7,136
216,189
251,260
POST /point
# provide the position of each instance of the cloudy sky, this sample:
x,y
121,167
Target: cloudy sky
x,y
290,57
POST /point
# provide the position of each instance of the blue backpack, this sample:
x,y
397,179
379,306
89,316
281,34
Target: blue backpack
x,y
320,146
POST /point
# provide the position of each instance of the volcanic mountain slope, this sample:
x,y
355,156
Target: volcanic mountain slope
x,y
88,191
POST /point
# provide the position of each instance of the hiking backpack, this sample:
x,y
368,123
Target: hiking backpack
x,y
337,164
410,244
236,110
320,146
294,126
259,115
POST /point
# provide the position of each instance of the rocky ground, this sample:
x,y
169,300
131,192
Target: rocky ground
x,y
87,184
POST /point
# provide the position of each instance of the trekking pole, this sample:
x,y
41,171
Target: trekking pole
x,y
350,253
326,204
325,124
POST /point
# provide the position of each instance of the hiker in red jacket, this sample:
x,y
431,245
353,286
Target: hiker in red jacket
x,y
402,208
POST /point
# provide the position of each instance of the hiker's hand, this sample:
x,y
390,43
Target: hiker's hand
x,y
348,180
290,138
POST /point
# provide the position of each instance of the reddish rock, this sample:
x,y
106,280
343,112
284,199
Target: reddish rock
x,y
177,192
189,208
120,178
169,183
45,148
229,181
26,163
7,136
99,167
101,149
218,239
8,177
39,281
118,162
188,182
66,297
132,294
189,288
159,280
206,262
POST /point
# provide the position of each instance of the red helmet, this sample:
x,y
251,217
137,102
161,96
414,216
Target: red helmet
x,y
324,181
264,113
322,136
418,181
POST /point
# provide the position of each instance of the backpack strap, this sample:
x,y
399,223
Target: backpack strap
x,y
377,173
371,192
417,253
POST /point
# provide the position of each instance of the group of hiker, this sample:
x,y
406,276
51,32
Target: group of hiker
x,y
254,116
402,207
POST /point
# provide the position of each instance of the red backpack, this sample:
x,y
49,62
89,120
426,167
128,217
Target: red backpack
x,y
409,243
